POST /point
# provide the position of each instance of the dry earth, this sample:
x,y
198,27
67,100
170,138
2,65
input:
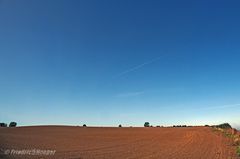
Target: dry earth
x,y
118,143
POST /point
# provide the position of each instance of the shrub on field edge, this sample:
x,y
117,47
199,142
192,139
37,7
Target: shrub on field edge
x,y
224,126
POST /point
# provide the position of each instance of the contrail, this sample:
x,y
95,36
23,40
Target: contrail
x,y
137,67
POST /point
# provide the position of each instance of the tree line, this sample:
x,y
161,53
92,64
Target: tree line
x,y
11,124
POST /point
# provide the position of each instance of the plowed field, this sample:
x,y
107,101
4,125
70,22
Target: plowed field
x,y
117,143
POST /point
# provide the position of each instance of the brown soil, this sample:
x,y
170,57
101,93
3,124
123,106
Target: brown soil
x,y
118,143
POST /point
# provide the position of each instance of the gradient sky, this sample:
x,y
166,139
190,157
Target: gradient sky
x,y
119,62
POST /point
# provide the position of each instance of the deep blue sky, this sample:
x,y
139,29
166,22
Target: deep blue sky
x,y
111,62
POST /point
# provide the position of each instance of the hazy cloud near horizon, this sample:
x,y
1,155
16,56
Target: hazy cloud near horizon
x,y
218,107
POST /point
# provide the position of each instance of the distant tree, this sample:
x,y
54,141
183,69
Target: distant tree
x,y
206,125
178,126
146,124
120,126
13,124
3,125
84,125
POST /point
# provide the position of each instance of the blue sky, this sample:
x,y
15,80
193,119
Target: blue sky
x,y
119,62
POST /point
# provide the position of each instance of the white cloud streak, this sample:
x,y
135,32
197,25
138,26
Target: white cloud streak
x,y
137,67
